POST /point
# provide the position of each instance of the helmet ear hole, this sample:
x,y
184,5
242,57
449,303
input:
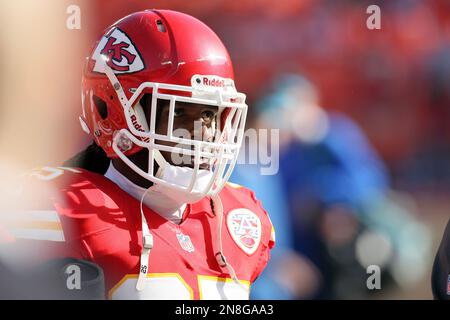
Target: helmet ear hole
x,y
101,107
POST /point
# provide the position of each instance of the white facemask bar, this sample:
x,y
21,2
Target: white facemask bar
x,y
225,153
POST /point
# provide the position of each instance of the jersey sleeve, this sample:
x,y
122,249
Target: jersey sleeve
x,y
37,239
32,230
247,199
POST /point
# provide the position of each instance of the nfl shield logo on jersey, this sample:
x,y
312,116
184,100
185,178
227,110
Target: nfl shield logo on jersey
x,y
245,229
185,242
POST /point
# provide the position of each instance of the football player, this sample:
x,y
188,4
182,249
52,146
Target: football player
x,y
148,202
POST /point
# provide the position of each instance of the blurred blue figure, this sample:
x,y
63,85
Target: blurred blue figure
x,y
329,182
336,188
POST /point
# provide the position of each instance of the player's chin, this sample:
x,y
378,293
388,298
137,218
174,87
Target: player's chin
x,y
202,166
205,166
186,161
189,162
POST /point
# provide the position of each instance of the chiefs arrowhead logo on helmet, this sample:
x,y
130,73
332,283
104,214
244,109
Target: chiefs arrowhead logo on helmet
x,y
119,52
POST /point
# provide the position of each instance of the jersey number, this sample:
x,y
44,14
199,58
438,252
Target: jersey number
x,y
171,286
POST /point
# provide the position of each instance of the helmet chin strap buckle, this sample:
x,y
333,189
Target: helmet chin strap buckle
x,y
148,241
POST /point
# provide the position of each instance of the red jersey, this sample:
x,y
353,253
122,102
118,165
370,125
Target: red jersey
x,y
80,214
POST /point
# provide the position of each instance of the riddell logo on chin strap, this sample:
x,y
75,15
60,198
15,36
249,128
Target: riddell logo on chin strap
x,y
213,82
138,127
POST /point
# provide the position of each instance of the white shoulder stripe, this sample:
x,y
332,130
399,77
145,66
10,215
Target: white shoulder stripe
x,y
38,234
33,215
34,224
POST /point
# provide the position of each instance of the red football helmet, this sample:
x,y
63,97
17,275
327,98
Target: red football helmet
x,y
173,57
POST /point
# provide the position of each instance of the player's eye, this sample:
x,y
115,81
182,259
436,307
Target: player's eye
x,y
208,115
178,112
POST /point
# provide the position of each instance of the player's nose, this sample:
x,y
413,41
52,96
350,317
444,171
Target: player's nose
x,y
202,131
203,128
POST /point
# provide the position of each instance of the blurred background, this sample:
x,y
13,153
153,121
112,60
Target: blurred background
x,y
364,119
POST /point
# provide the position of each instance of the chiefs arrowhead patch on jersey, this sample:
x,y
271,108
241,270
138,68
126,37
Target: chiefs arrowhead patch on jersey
x,y
120,53
245,229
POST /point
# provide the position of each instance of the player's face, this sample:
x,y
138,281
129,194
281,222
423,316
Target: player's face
x,y
191,121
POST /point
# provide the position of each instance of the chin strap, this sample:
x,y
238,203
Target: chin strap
x,y
220,257
147,246
147,237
